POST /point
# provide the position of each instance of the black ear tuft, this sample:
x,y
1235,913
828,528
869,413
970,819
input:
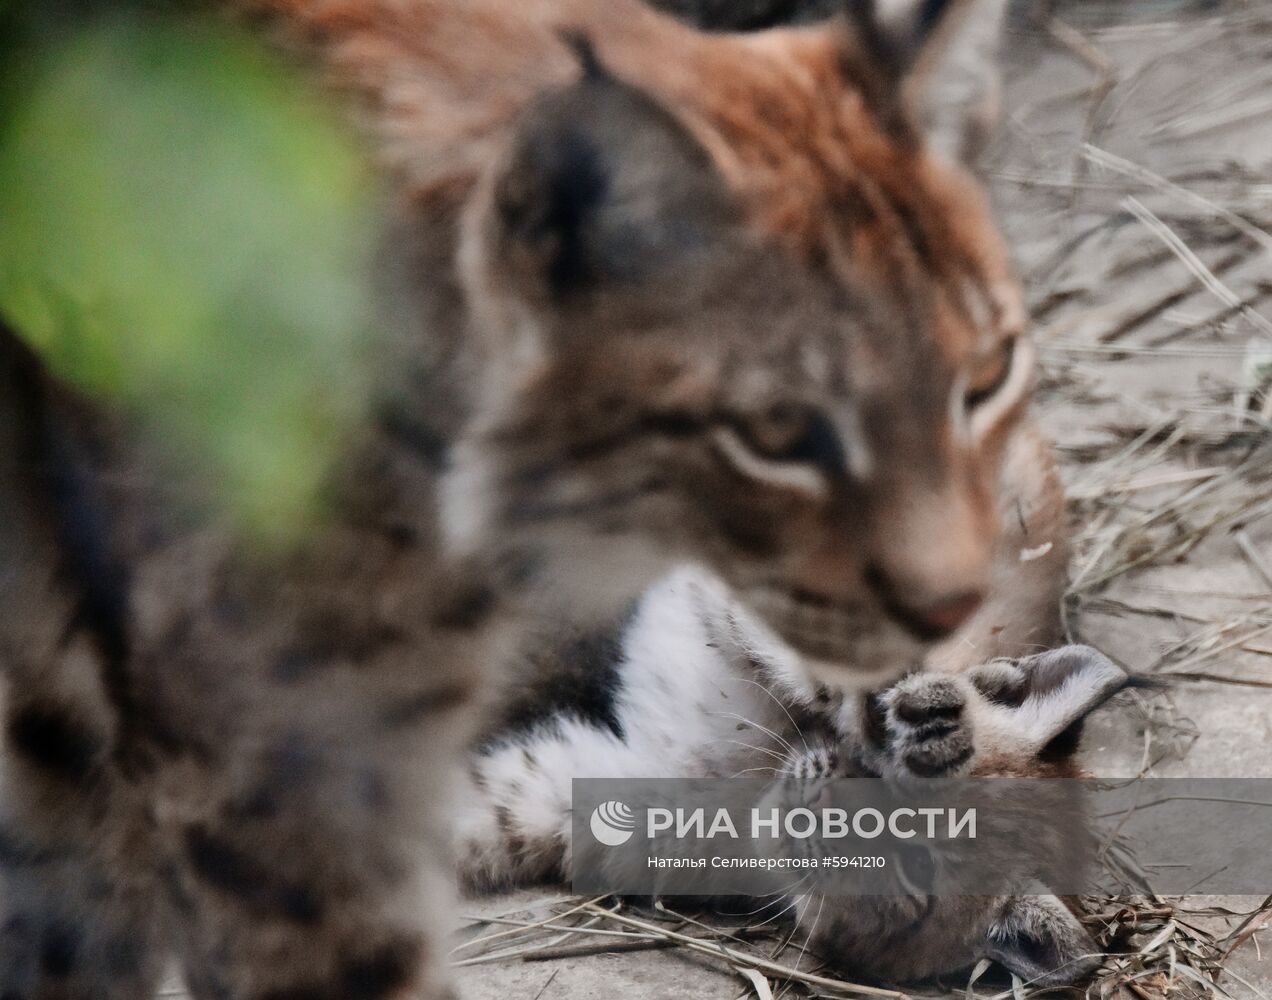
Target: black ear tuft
x,y
882,47
896,33
1147,682
944,55
929,16
585,51
604,188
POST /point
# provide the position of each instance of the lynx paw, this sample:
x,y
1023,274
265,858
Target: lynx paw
x,y
928,732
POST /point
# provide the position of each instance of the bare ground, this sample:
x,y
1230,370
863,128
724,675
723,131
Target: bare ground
x,y
1135,180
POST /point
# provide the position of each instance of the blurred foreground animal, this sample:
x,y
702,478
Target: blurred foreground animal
x,y
655,296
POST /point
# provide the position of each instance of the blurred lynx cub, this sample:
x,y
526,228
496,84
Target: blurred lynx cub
x,y
691,686
655,296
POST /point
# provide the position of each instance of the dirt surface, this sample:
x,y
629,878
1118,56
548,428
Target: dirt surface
x,y
1134,178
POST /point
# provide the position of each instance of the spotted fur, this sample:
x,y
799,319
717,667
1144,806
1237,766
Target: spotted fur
x,y
651,295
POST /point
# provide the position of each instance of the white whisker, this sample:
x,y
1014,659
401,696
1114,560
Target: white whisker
x,y
764,729
803,948
794,725
772,753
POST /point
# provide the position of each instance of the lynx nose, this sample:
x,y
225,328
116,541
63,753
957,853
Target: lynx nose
x,y
927,620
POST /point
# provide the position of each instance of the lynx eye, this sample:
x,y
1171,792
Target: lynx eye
x,y
916,869
794,446
796,434
995,387
990,375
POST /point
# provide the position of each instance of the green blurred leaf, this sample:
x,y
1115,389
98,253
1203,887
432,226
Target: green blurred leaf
x,y
184,229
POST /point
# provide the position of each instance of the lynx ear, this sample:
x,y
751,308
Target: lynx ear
x,y
1040,702
1041,941
603,189
945,54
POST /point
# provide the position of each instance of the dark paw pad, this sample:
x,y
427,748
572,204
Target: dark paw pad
x,y
927,726
938,755
918,701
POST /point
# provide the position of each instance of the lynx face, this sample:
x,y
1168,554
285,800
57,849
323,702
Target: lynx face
x,y
764,326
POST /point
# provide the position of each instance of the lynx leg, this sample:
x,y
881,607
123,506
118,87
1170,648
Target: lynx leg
x,y
78,908
366,952
318,867
307,916
71,930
